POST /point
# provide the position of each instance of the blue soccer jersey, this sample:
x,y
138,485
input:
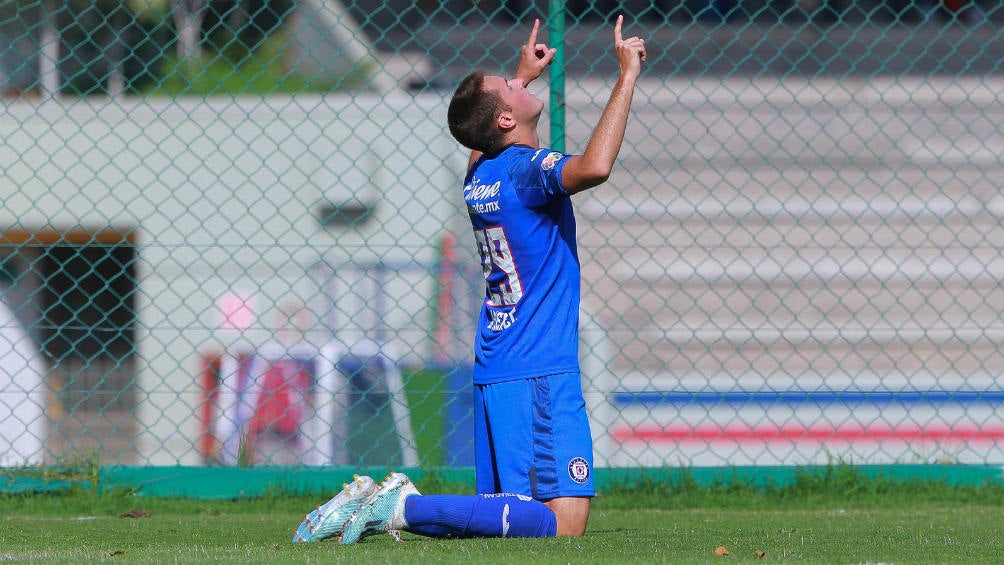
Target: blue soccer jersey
x,y
525,231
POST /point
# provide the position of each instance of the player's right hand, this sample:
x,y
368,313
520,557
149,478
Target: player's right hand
x,y
534,57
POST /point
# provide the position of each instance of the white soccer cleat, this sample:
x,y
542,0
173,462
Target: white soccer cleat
x,y
327,519
382,512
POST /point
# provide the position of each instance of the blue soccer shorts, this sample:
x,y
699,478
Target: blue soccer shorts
x,y
532,438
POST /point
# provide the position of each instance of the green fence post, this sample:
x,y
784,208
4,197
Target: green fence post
x,y
556,23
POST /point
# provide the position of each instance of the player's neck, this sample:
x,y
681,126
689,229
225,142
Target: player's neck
x,y
524,136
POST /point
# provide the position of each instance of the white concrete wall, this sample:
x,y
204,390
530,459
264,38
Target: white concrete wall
x,y
22,394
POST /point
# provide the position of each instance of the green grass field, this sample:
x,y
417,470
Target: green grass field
x,y
840,517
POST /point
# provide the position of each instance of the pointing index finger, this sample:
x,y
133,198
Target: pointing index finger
x,y
617,29
532,42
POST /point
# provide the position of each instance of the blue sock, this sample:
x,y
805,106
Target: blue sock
x,y
479,516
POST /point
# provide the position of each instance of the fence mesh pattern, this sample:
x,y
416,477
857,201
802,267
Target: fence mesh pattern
x,y
233,232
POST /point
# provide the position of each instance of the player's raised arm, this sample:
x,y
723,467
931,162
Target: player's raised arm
x,y
594,166
534,58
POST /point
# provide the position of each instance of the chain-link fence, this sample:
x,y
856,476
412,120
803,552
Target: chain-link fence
x,y
233,231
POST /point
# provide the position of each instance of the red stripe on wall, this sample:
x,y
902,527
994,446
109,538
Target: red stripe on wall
x,y
675,434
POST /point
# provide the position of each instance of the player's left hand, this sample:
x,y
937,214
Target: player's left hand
x,y
534,57
630,52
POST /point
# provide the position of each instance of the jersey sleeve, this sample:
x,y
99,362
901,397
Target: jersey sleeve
x,y
540,178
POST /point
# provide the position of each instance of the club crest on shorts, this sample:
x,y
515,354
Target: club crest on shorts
x,y
578,470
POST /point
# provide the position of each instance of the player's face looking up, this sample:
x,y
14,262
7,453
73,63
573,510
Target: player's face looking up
x,y
525,107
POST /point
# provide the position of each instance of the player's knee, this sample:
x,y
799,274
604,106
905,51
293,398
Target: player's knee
x,y
571,528
572,515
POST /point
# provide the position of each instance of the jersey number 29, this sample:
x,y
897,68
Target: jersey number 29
x,y
495,253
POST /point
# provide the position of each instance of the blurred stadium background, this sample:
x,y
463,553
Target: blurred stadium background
x,y
232,232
